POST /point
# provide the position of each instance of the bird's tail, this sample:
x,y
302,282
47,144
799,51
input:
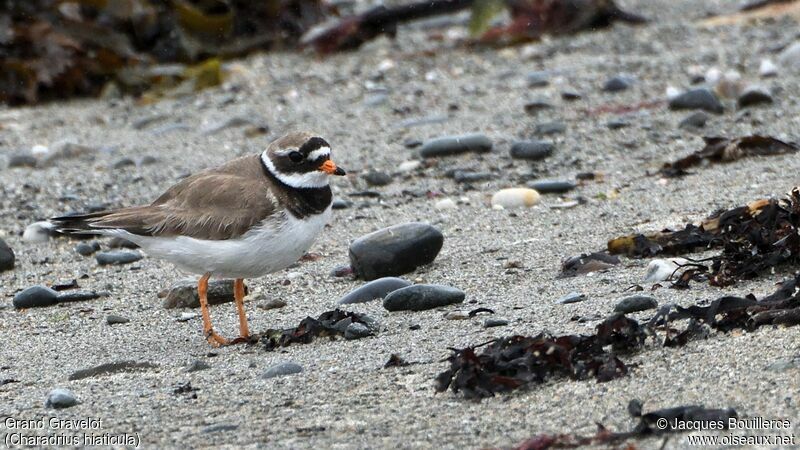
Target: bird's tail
x,y
78,223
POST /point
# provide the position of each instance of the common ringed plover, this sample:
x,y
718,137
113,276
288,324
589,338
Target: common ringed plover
x,y
252,216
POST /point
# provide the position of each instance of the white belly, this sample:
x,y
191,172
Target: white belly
x,y
272,246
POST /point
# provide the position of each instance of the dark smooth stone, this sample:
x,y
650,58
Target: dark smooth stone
x,y
7,257
552,186
395,250
572,297
35,296
183,294
702,98
375,178
123,162
461,176
454,145
412,143
22,160
571,94
532,150
60,398
374,290
494,322
356,331
617,84
533,107
550,128
695,120
113,319
420,297
754,96
339,203
117,257
538,79
111,368
635,303
78,296
617,124
282,369
87,248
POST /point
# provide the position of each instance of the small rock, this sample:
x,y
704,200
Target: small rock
x,y
408,166
123,162
635,303
148,160
187,316
571,95
183,294
462,176
695,120
572,297
22,160
548,128
456,315
701,98
376,99
494,322
38,232
117,257
78,296
7,257
60,398
35,296
339,203
113,319
754,95
395,250
272,304
282,369
538,79
374,290
356,330
617,124
635,408
376,178
197,365
454,145
532,150
533,107
87,248
515,198
767,68
790,56
617,84
552,186
420,297
445,203
662,269
412,143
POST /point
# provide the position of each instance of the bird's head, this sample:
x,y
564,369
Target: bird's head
x,y
301,160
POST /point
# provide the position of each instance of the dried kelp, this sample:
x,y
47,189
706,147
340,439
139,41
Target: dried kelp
x,y
650,424
331,324
759,236
721,150
518,361
57,49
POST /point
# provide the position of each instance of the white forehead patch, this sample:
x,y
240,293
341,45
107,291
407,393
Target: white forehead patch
x,y
313,179
322,151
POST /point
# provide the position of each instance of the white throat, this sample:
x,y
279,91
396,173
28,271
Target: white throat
x,y
315,179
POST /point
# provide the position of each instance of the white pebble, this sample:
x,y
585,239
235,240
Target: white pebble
x,y
767,68
515,198
446,203
672,92
187,316
39,150
713,75
37,232
662,269
408,166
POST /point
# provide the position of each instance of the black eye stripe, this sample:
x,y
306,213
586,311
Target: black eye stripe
x,y
313,144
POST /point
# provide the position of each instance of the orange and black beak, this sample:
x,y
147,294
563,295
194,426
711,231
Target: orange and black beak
x,y
330,168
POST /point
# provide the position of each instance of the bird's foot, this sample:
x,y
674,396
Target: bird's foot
x,y
216,340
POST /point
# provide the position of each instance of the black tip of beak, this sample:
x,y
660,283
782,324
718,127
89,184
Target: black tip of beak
x,y
339,171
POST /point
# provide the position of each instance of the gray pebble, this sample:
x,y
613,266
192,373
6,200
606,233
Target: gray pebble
x,y
376,99
695,120
617,83
7,257
22,160
357,331
117,257
754,95
35,296
148,160
339,203
272,304
548,128
420,297
552,186
376,289
282,369
635,303
702,98
571,94
617,124
572,297
538,79
87,248
533,107
60,398
197,365
376,178
454,145
123,162
532,150
113,319
395,250
494,322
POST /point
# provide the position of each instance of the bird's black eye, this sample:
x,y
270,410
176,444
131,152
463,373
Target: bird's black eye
x,y
296,157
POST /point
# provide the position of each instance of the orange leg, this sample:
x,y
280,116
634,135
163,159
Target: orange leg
x,y
238,295
211,336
